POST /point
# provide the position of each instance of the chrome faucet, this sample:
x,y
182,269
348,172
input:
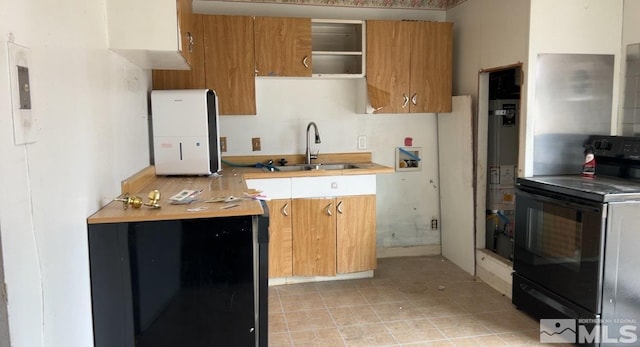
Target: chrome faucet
x,y
310,156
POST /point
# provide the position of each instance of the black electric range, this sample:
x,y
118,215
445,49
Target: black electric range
x,y
617,173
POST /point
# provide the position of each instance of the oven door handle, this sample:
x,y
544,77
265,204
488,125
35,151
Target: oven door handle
x,y
561,202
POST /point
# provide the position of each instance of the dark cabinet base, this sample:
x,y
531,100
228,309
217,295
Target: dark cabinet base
x,y
195,282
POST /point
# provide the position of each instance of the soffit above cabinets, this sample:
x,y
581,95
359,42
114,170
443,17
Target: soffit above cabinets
x,y
371,4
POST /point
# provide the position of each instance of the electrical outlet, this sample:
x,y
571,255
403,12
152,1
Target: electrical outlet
x,y
362,142
434,223
223,144
255,144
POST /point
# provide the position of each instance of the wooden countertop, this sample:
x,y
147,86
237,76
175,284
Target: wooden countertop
x,y
231,182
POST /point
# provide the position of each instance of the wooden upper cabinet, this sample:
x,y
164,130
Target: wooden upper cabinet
x,y
431,66
388,62
186,79
409,66
282,46
185,13
230,62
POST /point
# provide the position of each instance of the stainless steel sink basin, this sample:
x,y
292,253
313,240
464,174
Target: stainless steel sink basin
x,y
337,166
292,168
307,167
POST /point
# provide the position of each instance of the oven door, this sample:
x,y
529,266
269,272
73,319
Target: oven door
x,y
559,245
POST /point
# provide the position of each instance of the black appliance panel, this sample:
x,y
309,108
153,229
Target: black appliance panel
x,y
559,246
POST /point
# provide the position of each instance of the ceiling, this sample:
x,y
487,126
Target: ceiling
x,y
378,4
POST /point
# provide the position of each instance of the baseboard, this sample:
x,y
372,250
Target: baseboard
x,y
408,251
306,279
494,271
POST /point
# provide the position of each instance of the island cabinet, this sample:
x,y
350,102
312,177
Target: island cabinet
x,y
320,226
223,60
409,66
283,46
191,282
162,40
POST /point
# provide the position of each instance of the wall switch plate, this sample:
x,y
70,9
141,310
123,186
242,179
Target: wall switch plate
x,y
223,144
25,125
255,144
362,142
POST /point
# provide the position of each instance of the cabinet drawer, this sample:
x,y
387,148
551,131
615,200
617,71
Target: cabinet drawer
x,y
273,188
308,187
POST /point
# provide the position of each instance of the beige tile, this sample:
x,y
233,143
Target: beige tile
x,y
279,340
378,295
454,321
526,338
479,341
465,331
400,310
277,323
340,298
441,343
317,337
353,315
295,289
367,335
307,320
418,301
301,302
413,331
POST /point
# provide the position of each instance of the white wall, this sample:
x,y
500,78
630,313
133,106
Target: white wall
x,y
628,124
488,34
93,133
406,201
570,26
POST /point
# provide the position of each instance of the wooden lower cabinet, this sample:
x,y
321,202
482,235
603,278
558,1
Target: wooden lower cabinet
x,y
330,235
356,233
280,238
314,237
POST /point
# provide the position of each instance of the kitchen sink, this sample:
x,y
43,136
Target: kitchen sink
x,y
308,167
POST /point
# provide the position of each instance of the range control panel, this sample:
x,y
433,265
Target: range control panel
x,y
622,147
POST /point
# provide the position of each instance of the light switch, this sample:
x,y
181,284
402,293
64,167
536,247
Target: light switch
x,y
25,125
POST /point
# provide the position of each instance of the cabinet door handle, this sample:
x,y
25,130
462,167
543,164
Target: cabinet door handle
x,y
405,99
414,99
339,207
190,40
329,209
304,62
284,209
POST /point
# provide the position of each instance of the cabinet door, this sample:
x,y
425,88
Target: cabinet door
x,y
388,61
230,62
185,12
431,60
280,237
283,46
356,233
186,79
314,237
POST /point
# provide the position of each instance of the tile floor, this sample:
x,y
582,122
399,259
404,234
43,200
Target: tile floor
x,y
417,301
